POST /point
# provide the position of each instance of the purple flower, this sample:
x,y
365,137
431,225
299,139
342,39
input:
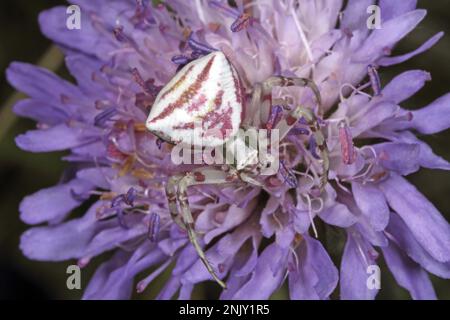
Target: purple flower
x,y
123,55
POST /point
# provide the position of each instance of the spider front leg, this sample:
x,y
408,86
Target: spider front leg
x,y
187,221
318,138
286,124
263,91
172,199
272,82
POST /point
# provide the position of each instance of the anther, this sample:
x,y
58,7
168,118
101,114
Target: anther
x,y
298,131
180,59
288,176
153,227
197,46
104,116
313,147
274,116
374,80
346,140
130,196
120,35
241,23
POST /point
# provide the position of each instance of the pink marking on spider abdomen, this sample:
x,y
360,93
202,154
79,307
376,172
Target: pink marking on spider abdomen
x,y
185,126
213,119
197,104
188,94
218,99
178,83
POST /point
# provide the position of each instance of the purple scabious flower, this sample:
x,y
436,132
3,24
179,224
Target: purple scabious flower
x,y
257,238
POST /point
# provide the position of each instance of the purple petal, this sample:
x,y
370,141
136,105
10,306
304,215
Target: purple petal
x,y
61,242
391,9
81,67
39,83
263,281
405,85
284,236
421,217
41,112
233,285
375,238
198,272
402,158
186,259
114,279
427,158
99,176
400,233
234,217
353,275
303,279
372,204
100,277
389,61
430,160
111,238
338,215
434,117
386,37
88,39
324,267
352,17
52,203
268,224
87,152
301,220
59,137
408,274
316,276
373,117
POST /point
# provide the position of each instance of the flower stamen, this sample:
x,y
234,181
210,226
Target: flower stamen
x,y
242,22
153,227
346,140
374,80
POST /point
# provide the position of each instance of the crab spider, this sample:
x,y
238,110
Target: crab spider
x,y
208,90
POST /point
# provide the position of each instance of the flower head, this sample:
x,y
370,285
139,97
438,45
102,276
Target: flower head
x,y
256,237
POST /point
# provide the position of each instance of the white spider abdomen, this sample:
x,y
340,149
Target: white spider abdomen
x,y
201,105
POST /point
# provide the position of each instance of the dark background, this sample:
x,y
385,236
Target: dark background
x,y
23,173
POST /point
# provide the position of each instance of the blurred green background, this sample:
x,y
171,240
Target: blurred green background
x,y
23,173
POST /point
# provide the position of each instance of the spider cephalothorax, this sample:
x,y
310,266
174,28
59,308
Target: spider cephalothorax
x,y
204,104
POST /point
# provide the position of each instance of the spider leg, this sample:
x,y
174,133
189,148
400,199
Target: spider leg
x,y
172,200
279,81
206,176
263,91
287,123
255,104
